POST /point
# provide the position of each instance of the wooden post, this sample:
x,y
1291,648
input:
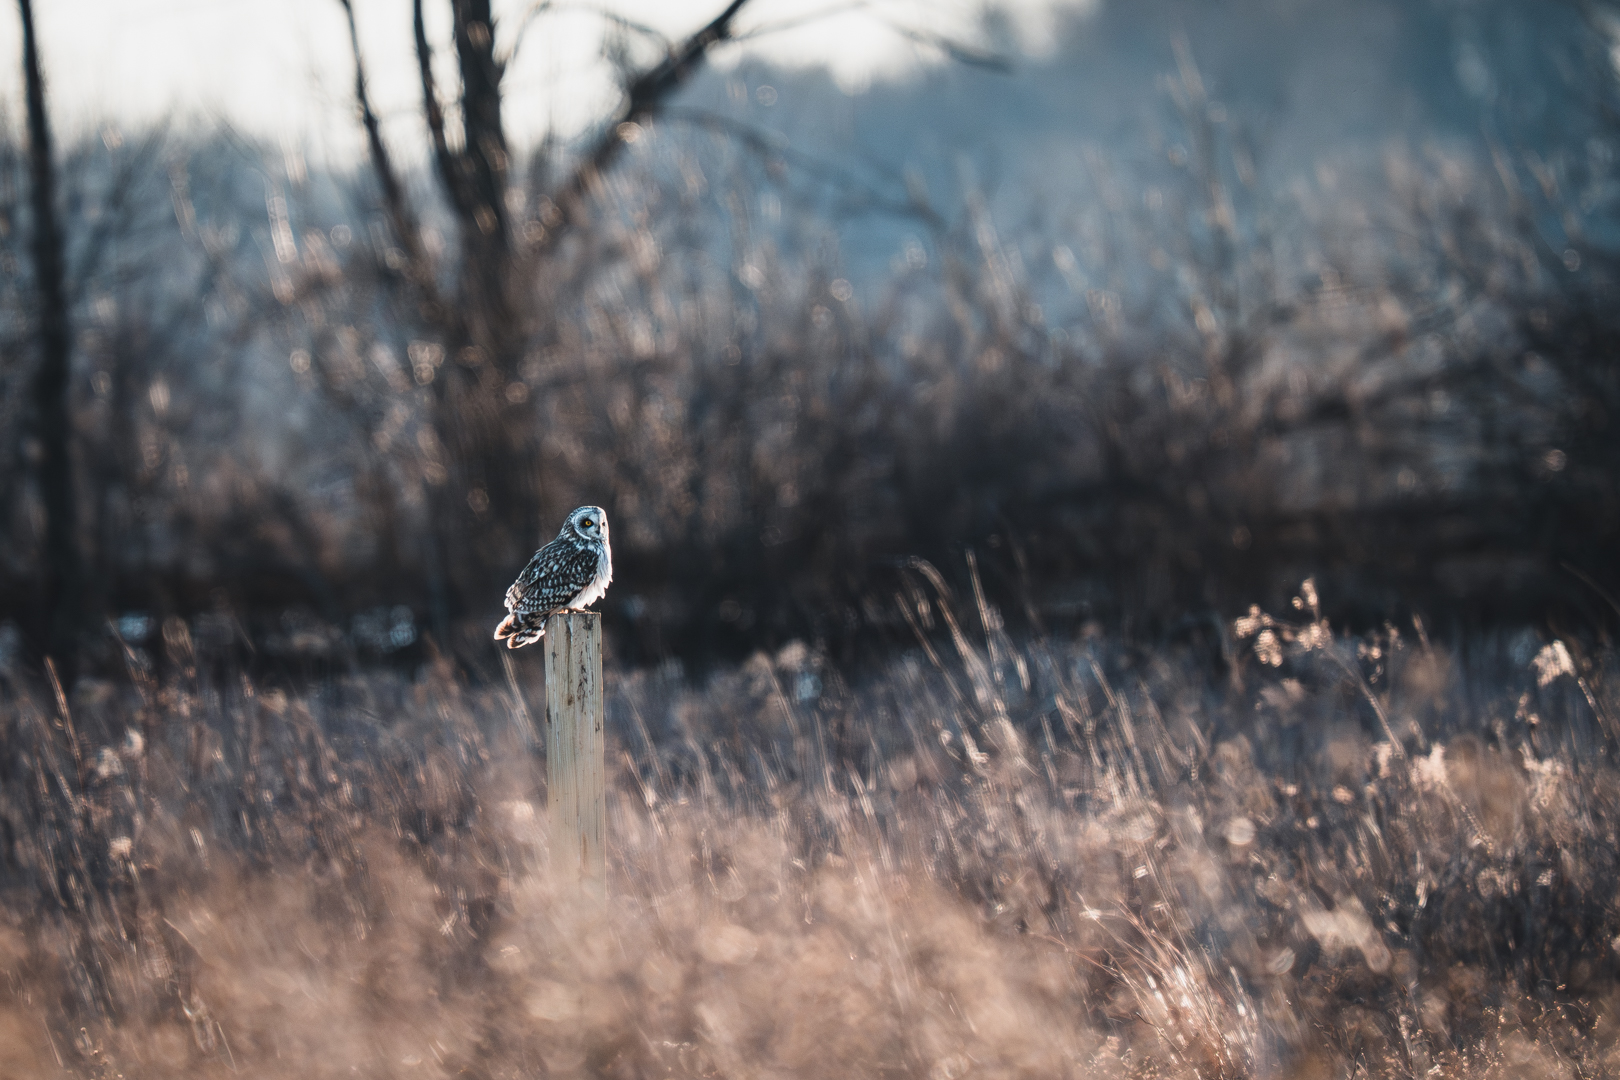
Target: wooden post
x,y
575,771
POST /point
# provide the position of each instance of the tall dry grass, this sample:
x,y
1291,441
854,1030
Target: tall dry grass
x,y
1296,853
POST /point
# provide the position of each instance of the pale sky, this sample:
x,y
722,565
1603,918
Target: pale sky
x,y
282,68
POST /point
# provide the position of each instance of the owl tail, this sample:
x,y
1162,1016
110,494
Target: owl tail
x,y
517,634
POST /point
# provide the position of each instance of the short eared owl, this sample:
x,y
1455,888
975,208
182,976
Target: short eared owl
x,y
565,575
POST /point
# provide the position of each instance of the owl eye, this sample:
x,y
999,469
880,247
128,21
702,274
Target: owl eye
x,y
587,523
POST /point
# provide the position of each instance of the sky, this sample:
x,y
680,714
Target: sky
x,y
281,69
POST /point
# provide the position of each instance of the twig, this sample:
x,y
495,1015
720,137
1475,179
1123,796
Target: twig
x,y
1593,585
642,96
1372,699
401,217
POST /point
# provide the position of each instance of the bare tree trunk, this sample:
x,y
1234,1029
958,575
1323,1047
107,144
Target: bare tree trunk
x,y
483,163
474,179
64,579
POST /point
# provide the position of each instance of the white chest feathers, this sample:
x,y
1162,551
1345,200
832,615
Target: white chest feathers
x,y
594,591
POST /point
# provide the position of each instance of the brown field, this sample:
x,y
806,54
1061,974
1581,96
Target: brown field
x,y
1319,855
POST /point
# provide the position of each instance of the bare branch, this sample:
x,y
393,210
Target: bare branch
x,y
952,48
530,17
119,211
545,6
962,54
642,97
401,216
771,147
796,21
444,159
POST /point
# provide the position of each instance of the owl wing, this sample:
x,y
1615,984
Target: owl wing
x,y
553,577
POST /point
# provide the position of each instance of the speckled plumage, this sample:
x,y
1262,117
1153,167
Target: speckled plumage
x,y
567,574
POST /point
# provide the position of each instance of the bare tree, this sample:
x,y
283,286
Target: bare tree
x,y
476,306
64,582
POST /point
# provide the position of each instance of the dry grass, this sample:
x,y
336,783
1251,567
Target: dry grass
x,y
996,859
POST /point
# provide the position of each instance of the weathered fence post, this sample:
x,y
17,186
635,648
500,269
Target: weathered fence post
x,y
575,772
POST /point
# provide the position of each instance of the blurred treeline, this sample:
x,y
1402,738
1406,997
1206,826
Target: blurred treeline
x,y
334,411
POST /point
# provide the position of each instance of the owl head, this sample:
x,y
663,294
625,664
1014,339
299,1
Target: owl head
x,y
588,523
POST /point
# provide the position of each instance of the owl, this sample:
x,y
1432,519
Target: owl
x,y
565,575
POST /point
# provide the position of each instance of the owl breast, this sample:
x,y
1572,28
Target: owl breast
x,y
598,584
